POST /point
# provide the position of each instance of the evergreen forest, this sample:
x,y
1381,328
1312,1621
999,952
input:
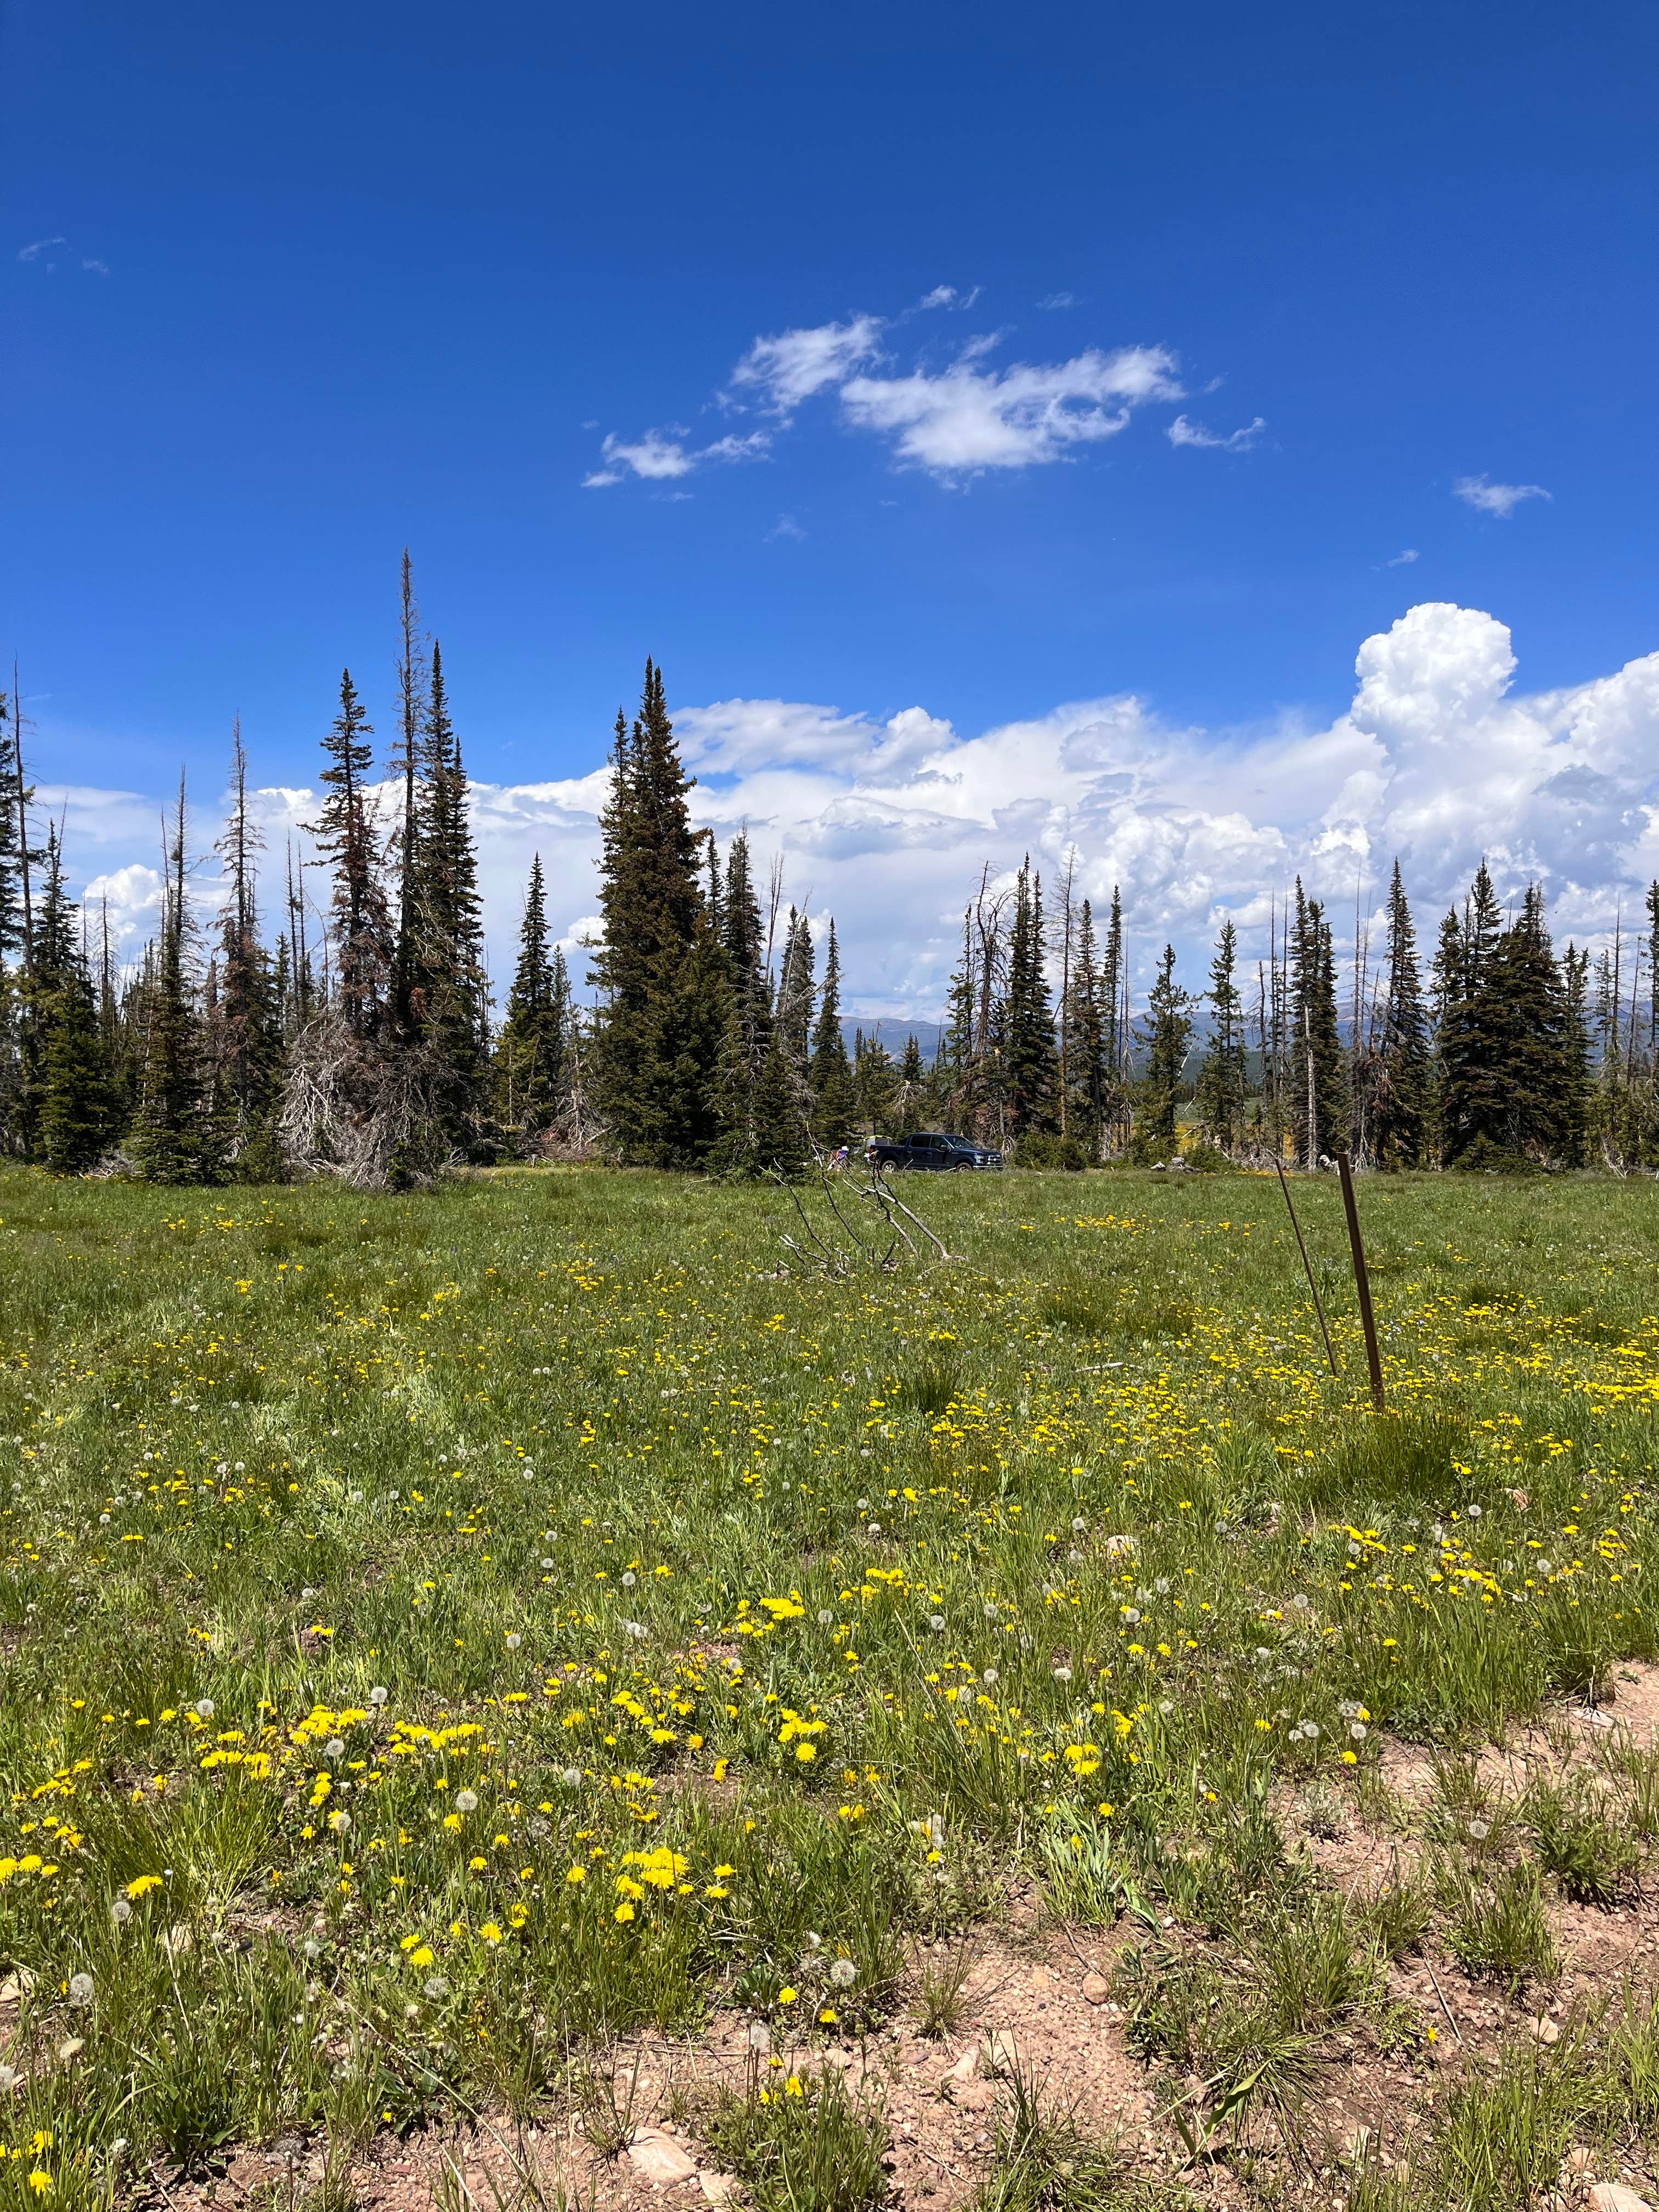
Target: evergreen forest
x,y
347,1025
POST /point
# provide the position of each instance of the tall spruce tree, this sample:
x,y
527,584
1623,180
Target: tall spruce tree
x,y
409,958
1575,1125
1114,995
535,1040
173,1136
73,1110
361,926
1470,1030
1166,1039
795,990
834,1101
1087,1024
1535,1052
1403,1095
1319,1087
660,970
1031,1061
450,1009
1220,1091
244,1040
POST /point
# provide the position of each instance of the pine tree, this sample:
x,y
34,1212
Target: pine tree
x,y
1575,1113
1319,1086
875,1081
408,975
361,926
1536,1051
1085,1026
1114,999
13,833
1402,1104
244,1037
661,971
1031,1061
450,995
795,990
1470,1030
535,1039
72,1111
782,1141
1166,1037
172,1138
831,1074
1220,1090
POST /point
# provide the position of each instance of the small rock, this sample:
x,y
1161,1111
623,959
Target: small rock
x,y
1580,2161
1042,1978
1096,1989
965,2066
1120,1548
973,2096
1613,2196
17,1987
717,2188
179,1939
1544,2031
657,2157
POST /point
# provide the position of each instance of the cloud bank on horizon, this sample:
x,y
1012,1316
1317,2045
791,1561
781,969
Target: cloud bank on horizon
x,y
886,824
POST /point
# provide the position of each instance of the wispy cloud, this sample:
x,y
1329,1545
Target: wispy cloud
x,y
1051,302
1499,499
660,457
1181,432
40,246
954,420
783,371
1404,560
786,527
97,268
962,419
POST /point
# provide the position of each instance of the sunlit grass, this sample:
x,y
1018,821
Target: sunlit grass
x,y
444,1629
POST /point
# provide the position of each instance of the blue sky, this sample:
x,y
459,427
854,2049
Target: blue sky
x,y
287,292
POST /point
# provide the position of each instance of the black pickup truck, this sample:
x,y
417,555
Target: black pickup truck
x,y
928,1148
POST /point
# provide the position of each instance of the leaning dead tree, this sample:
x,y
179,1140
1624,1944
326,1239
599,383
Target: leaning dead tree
x,y
849,1222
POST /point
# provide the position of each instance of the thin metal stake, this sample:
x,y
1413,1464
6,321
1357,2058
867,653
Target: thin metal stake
x,y
1307,1267
1361,1279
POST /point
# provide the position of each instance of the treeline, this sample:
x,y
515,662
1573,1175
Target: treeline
x,y
1506,1055
359,1038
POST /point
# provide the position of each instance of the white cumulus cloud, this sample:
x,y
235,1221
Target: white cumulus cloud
x,y
886,821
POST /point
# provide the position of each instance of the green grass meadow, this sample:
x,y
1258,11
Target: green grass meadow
x,y
441,1634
